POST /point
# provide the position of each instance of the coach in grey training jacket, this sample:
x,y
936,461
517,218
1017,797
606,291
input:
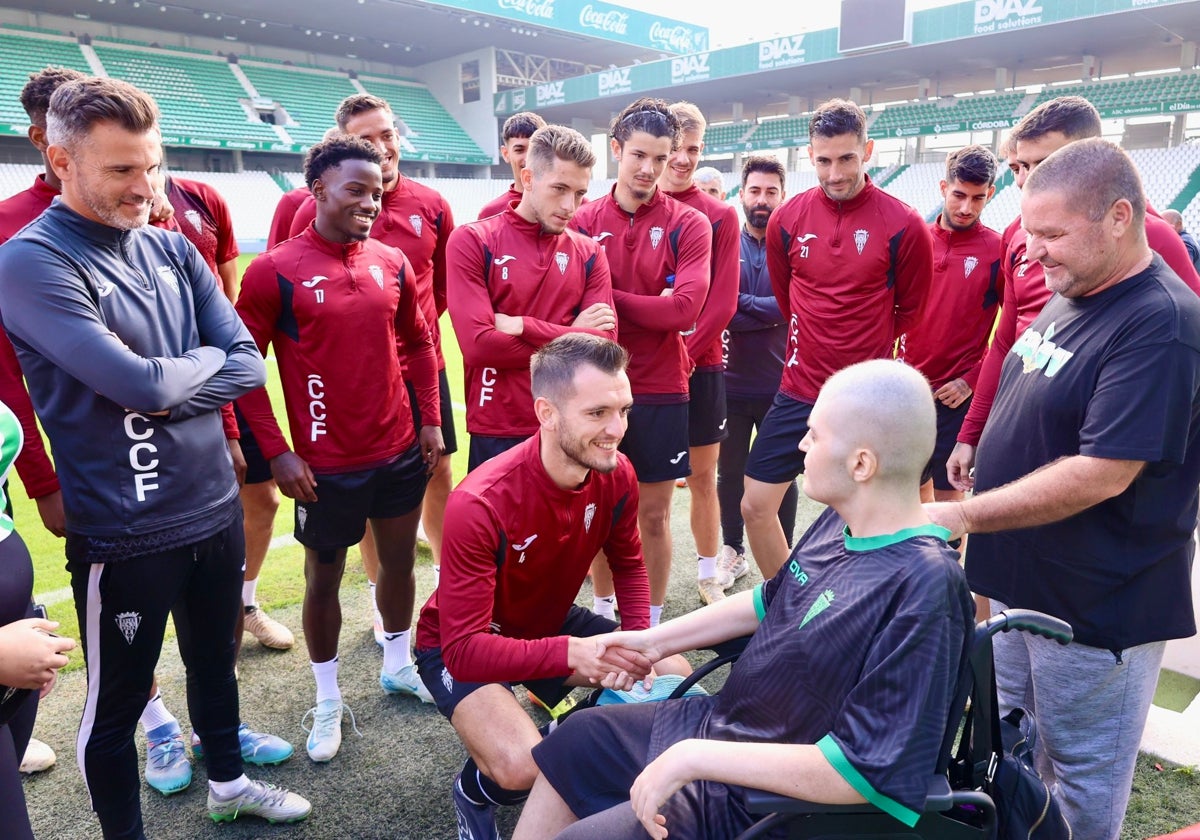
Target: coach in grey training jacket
x,y
130,349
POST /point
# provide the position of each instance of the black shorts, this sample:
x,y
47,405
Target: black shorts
x,y
775,457
706,408
949,424
449,438
486,447
345,501
258,468
656,442
593,757
448,692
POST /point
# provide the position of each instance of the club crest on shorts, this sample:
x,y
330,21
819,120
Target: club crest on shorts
x,y
167,275
969,265
301,516
377,273
447,680
656,235
128,623
194,217
860,239
415,221
562,259
589,513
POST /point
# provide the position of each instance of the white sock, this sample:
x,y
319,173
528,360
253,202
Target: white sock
x,y
249,593
707,567
156,714
326,674
605,606
396,653
655,614
230,789
375,604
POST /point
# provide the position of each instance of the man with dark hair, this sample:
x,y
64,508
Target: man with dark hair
x,y
146,356
519,279
417,220
842,694
514,146
326,299
504,610
949,343
851,267
707,420
1042,131
754,346
1085,483
660,260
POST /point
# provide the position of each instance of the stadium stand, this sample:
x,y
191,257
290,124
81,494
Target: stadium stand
x,y
1161,171
918,185
310,97
1128,97
24,53
776,133
434,133
950,111
15,177
199,97
727,137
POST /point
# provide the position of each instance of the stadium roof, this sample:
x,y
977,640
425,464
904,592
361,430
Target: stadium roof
x,y
399,32
1123,43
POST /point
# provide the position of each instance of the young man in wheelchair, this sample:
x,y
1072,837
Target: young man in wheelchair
x,y
843,693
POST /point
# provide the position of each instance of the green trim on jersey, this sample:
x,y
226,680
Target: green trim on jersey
x,y
884,540
834,755
760,608
11,438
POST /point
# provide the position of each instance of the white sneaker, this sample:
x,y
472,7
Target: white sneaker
x,y
325,735
273,804
38,757
405,681
730,566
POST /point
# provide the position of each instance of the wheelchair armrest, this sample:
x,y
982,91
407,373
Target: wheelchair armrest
x,y
938,797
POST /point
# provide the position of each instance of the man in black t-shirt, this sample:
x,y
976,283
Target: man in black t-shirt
x,y
1086,478
842,694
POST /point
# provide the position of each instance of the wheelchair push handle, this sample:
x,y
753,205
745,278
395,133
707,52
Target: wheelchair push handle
x,y
1031,621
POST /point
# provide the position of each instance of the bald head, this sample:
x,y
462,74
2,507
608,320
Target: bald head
x,y
885,407
1174,219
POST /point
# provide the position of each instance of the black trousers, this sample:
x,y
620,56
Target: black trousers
x,y
743,416
123,608
16,588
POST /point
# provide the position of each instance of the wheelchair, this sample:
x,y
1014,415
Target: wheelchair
x,y
956,806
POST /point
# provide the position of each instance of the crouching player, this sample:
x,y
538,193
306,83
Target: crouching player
x,y
527,524
843,693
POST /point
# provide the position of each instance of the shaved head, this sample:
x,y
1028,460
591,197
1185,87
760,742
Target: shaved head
x,y
885,407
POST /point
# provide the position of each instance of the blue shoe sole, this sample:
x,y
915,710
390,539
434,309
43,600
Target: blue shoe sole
x,y
198,754
171,791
